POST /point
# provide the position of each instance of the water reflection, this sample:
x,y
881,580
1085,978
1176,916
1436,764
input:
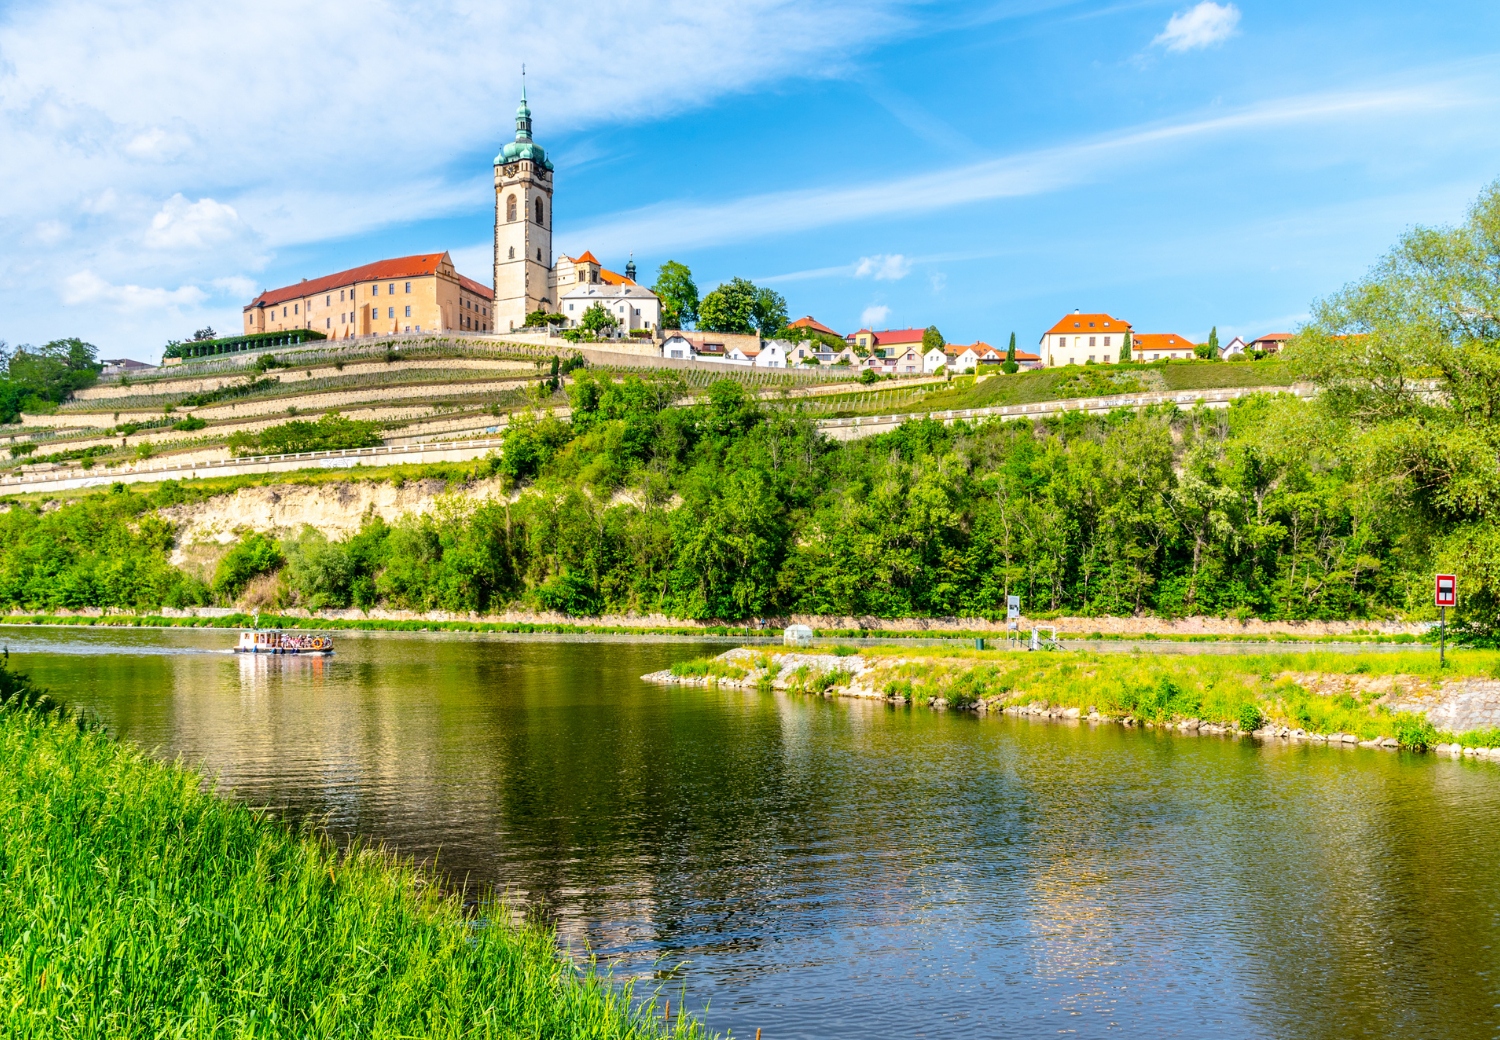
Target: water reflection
x,y
842,869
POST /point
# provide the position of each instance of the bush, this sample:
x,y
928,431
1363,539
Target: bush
x,y
252,556
1010,368
1250,718
869,376
188,424
333,432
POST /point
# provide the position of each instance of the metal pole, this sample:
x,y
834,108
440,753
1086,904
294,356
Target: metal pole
x,y
1442,635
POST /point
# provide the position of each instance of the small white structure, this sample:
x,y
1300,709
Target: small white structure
x,y
772,354
1233,348
798,635
633,306
934,359
679,347
964,362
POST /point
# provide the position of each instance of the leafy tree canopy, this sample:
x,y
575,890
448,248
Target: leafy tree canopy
x,y
740,306
931,337
678,294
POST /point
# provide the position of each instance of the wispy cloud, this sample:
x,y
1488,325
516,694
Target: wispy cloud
x,y
874,315
676,226
883,267
1204,25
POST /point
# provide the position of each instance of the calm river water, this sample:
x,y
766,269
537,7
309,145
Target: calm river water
x,y
835,869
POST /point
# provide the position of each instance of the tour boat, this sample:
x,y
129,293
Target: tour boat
x,y
274,641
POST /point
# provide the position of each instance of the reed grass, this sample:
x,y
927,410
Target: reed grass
x,y
134,903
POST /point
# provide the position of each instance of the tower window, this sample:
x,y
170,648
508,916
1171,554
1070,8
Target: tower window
x,y
539,210
512,252
538,256
510,208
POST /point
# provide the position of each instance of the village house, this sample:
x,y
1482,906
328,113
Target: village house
x,y
632,306
1160,346
1080,338
934,359
1271,342
1233,348
890,342
812,325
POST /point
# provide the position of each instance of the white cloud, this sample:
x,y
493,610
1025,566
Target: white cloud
x,y
883,267
939,281
874,315
359,119
236,287
181,224
669,226
86,287
1202,26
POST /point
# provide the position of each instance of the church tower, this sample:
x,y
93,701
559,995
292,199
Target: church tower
x,y
523,227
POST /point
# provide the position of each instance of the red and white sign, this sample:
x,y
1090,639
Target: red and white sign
x,y
1446,592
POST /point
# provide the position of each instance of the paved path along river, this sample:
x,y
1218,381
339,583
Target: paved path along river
x,y
836,869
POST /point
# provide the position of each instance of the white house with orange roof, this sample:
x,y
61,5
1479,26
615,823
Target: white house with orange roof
x,y
1080,338
1160,346
583,282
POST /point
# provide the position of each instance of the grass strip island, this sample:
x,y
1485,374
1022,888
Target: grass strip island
x,y
136,902
1394,699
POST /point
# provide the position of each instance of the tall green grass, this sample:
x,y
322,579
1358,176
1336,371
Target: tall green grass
x,y
133,903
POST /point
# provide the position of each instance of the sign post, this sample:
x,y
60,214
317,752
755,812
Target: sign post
x,y
1444,595
1012,613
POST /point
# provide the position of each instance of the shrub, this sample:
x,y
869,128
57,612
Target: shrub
x,y
252,556
188,424
1250,718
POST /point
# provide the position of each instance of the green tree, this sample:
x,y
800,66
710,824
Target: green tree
x,y
597,319
1210,350
769,312
1429,460
678,294
729,308
1125,347
1010,351
931,337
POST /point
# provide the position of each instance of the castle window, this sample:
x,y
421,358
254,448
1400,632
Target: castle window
x,y
1091,341
408,287
374,290
392,289
328,300
539,211
512,252
408,310
295,310
390,312
510,208
538,256
1106,343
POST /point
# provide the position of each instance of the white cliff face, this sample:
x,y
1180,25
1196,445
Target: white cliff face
x,y
337,510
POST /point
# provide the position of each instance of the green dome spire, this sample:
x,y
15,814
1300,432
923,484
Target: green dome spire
x,y
523,147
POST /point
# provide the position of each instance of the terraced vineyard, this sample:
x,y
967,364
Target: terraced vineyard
x,y
411,390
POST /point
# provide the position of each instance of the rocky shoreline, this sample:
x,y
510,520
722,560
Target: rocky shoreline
x,y
834,675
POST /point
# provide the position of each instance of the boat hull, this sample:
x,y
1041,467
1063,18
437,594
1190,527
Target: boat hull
x,y
277,651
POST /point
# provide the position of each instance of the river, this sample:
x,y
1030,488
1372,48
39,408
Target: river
x,y
839,869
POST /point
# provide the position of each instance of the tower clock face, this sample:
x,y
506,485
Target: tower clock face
x,y
510,171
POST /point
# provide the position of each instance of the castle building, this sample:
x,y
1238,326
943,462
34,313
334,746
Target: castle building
x,y
405,294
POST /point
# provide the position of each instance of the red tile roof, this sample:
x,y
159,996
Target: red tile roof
x,y
477,288
1279,337
586,258
897,337
809,323
1088,322
399,267
1159,341
609,277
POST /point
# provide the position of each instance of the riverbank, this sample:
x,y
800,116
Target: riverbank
x,y
1387,700
1181,630
135,902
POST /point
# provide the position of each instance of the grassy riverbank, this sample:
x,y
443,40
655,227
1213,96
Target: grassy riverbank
x,y
1318,692
132,903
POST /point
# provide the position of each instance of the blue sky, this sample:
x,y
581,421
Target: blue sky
x,y
982,167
